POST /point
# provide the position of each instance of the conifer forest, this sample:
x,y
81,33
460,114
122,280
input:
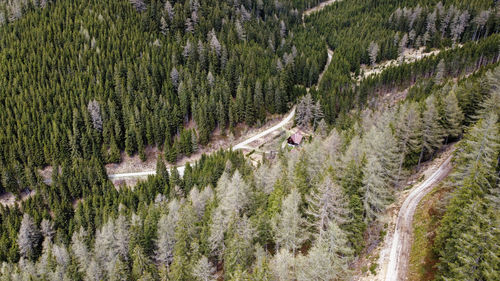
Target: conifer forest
x,y
371,95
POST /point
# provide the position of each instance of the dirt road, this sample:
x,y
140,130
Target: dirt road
x,y
398,248
328,61
241,145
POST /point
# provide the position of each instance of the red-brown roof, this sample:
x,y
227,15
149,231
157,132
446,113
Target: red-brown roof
x,y
296,138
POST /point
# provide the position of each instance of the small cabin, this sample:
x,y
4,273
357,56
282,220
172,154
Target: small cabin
x,y
295,139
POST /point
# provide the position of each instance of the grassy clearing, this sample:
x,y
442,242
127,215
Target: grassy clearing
x,y
425,222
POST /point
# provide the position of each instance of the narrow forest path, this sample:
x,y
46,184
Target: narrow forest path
x,y
328,61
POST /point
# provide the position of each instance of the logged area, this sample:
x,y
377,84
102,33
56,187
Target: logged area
x,y
249,140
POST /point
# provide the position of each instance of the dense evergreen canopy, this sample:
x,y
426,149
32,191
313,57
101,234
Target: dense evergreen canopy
x,y
83,81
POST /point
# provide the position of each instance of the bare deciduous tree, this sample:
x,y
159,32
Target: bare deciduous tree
x,y
188,50
282,265
204,271
169,10
308,112
402,44
139,5
47,229
163,26
326,204
95,113
480,21
440,72
28,237
460,22
376,193
445,20
80,249
241,31
282,29
373,50
189,25
408,130
174,76
214,42
431,22
61,255
165,241
289,225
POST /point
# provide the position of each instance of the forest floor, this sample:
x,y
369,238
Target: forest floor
x,y
386,255
8,199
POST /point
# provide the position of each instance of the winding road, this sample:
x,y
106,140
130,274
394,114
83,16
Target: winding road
x,y
241,145
400,245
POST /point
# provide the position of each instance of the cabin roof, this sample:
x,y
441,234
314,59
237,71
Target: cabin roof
x,y
296,138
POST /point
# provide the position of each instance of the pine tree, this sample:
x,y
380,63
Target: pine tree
x,y
467,239
453,116
440,72
140,263
180,269
408,132
492,102
432,134
161,170
113,155
478,153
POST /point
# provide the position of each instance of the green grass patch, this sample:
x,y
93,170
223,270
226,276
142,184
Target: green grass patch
x,y
373,268
425,222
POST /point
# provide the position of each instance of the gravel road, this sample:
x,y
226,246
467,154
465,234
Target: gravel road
x,y
400,245
240,145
